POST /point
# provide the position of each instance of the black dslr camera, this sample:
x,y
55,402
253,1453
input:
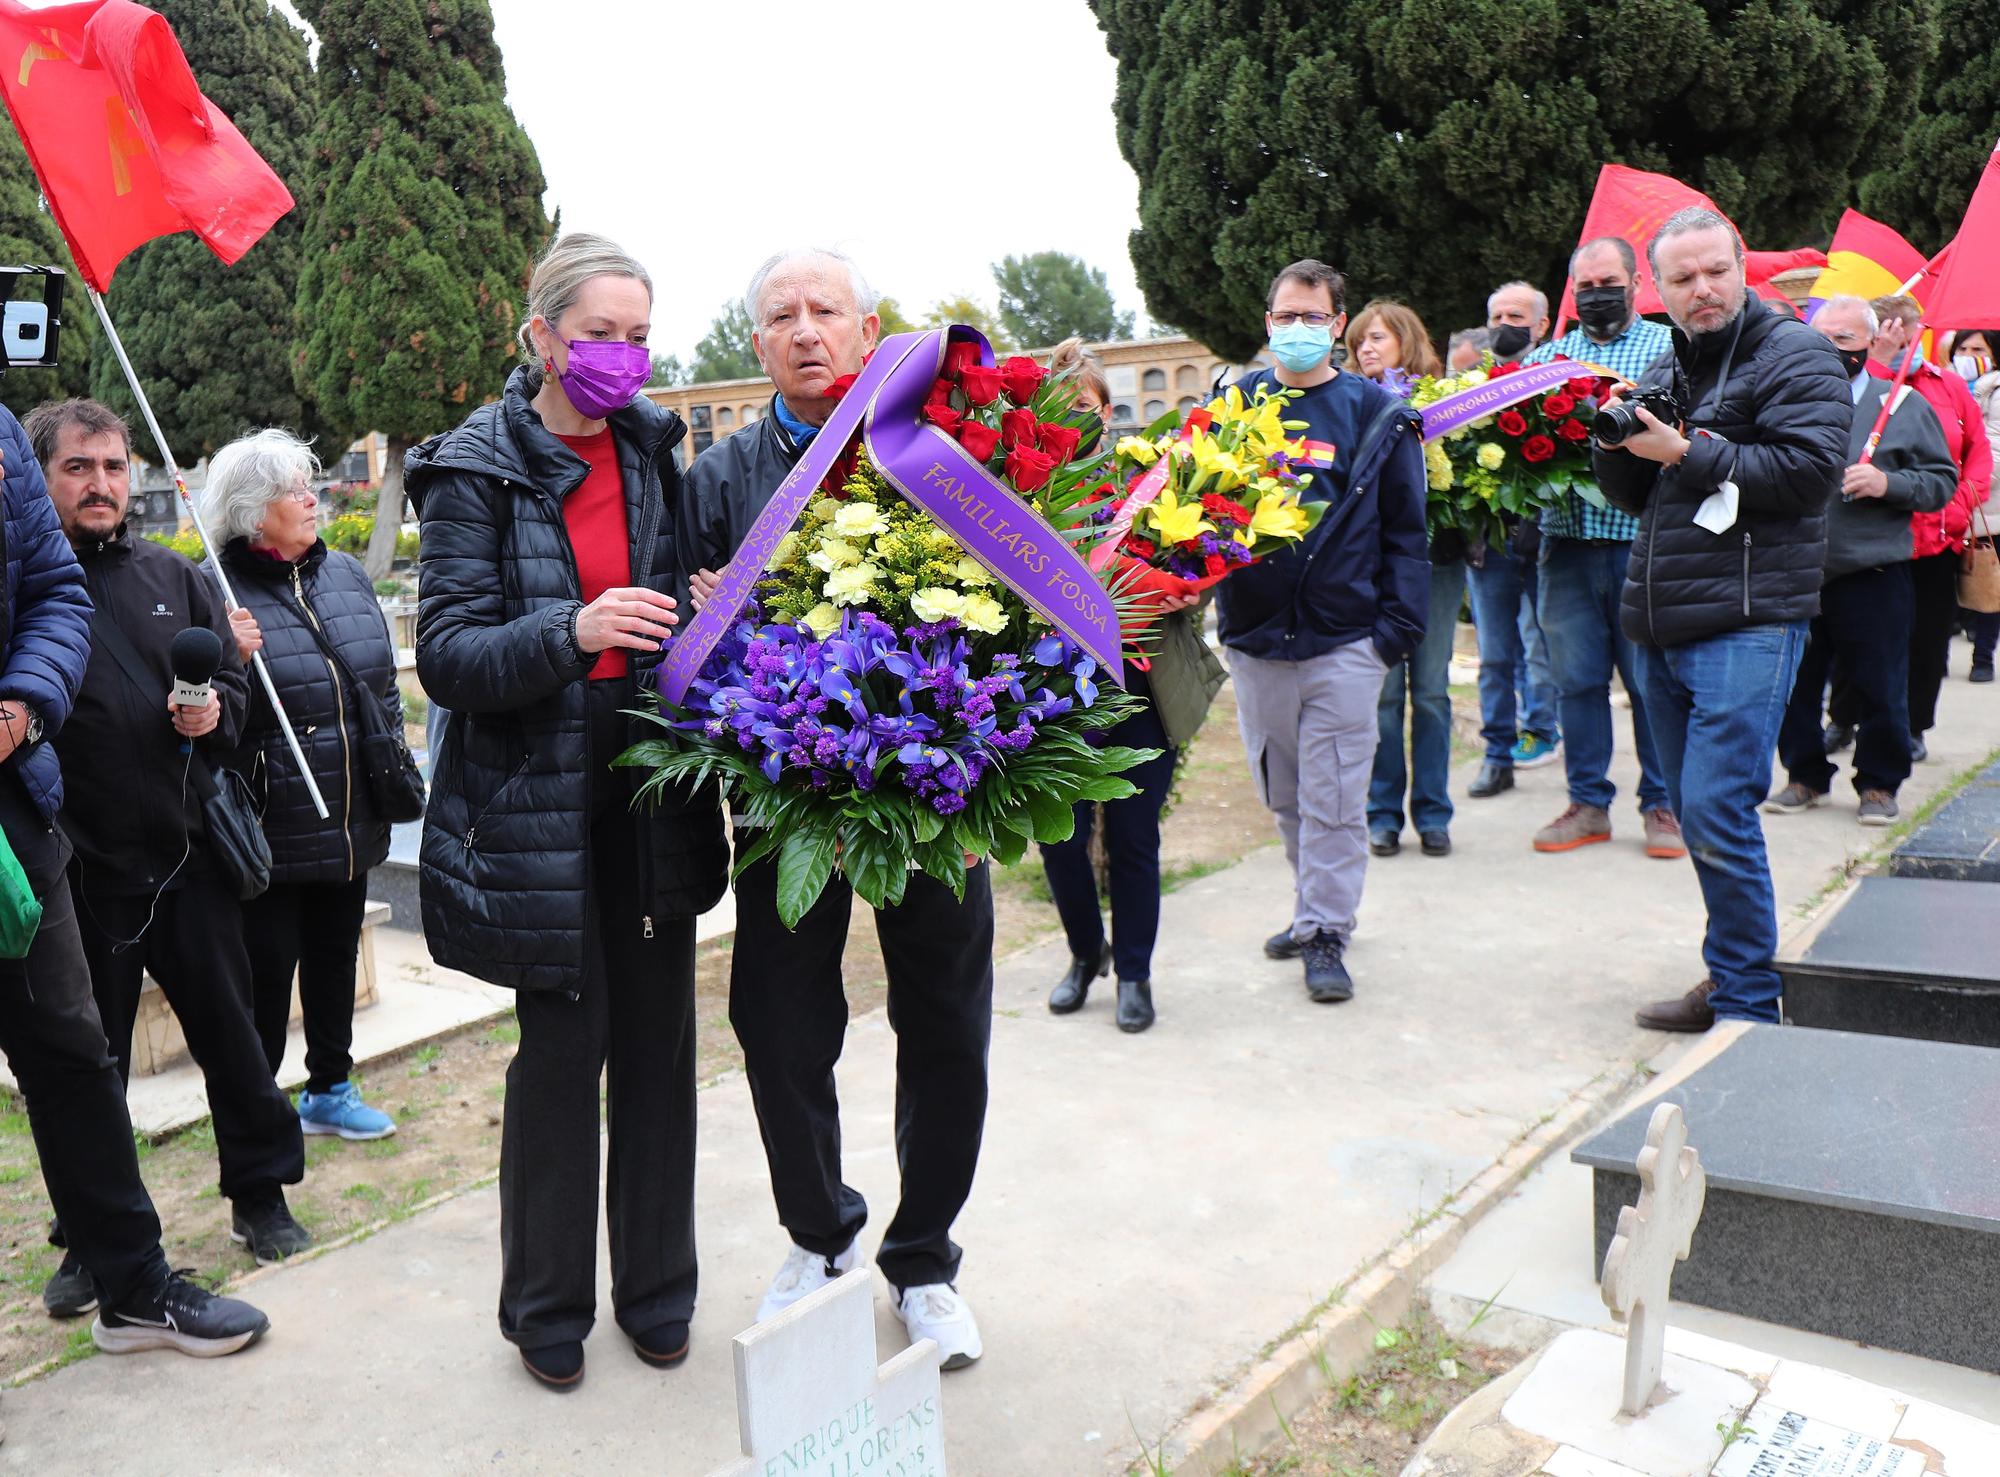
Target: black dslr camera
x,y
31,322
1615,422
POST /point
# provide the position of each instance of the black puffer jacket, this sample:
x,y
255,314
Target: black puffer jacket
x,y
1779,431
332,589
505,855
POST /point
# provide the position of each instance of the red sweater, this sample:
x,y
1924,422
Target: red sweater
x,y
1965,437
595,517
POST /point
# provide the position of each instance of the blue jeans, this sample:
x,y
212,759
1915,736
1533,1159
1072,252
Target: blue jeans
x,y
1715,706
1512,656
1582,584
1428,774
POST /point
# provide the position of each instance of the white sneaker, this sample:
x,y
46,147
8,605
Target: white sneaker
x,y
936,1311
804,1273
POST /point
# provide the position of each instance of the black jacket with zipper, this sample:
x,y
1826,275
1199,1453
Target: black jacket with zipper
x,y
129,806
506,853
331,590
1779,431
726,488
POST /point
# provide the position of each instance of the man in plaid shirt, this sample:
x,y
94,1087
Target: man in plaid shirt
x,y
1585,548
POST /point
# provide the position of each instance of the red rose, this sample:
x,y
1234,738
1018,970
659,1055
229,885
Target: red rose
x,y
1499,369
1538,448
1584,387
1059,442
980,382
1224,510
940,393
841,386
1022,376
1017,428
1574,431
1558,405
1512,422
980,440
1029,469
944,418
1215,565
1140,547
960,355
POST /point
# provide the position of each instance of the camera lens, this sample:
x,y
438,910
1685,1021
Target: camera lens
x,y
1613,424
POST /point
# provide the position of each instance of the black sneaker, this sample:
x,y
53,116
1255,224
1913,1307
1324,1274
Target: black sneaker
x,y
1281,945
1327,979
264,1224
72,1292
179,1314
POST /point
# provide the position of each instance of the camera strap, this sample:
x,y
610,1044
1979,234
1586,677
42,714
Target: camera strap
x,y
1711,403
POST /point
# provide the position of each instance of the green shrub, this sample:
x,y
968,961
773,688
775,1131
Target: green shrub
x,y
188,543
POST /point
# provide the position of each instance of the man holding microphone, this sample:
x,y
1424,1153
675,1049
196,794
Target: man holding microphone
x,y
148,897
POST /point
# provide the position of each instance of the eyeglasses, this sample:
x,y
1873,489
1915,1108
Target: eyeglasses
x,y
301,495
1311,320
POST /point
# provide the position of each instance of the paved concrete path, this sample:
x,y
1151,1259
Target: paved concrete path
x,y
1151,1211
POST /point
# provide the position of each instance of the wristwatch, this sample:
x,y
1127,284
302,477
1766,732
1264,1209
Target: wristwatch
x,y
32,735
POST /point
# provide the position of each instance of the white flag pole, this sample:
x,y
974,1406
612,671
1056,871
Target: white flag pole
x,y
208,544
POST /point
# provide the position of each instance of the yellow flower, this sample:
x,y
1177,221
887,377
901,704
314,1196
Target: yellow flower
x,y
1228,406
972,572
1175,522
984,614
859,520
1138,449
824,508
1210,460
853,585
1277,516
1438,465
834,554
1472,378
787,550
937,604
821,620
1491,455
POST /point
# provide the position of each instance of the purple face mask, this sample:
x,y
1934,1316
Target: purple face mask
x,y
603,377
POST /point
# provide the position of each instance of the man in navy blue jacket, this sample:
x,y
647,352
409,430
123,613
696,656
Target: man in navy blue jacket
x,y
1311,631
49,1026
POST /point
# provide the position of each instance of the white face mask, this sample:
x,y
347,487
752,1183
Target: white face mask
x,y
1971,366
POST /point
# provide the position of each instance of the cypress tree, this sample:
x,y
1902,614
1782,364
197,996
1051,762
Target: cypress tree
x,y
423,224
29,237
1434,148
1923,193
213,344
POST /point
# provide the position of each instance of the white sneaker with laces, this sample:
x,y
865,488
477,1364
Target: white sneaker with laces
x,y
804,1273
935,1310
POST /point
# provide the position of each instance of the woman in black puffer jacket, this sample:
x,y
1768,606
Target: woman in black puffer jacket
x,y
259,500
546,547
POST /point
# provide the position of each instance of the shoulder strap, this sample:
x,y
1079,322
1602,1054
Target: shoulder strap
x,y
313,630
123,652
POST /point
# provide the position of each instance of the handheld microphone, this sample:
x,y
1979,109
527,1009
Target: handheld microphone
x,y
194,656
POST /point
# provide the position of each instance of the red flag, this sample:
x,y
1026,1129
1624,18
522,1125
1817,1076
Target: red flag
x,y
1966,288
124,144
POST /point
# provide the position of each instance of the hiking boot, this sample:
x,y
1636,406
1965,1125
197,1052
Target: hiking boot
x,y
1878,808
1690,1013
1663,834
1074,988
1281,945
181,1315
1533,751
1579,825
1327,979
1794,798
264,1224
1838,736
1491,780
340,1110
72,1292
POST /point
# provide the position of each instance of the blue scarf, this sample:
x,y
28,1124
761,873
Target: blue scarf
x,y
801,433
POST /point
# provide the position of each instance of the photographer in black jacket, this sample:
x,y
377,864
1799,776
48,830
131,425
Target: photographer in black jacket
x,y
1725,575
148,898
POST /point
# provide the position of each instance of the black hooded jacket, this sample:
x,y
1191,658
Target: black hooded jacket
x,y
727,488
1778,430
506,857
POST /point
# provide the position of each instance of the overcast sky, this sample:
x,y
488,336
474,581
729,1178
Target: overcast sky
x,y
925,139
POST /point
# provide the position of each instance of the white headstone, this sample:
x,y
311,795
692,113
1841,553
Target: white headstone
x,y
1796,1445
1651,1237
810,1401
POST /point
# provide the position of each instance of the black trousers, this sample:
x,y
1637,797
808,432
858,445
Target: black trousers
x,y
194,948
54,1043
1864,624
632,1016
311,930
1934,615
788,1003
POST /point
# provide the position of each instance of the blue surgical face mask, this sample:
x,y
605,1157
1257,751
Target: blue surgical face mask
x,y
1301,347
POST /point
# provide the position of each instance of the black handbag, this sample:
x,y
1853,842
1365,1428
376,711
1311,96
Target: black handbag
x,y
236,842
395,783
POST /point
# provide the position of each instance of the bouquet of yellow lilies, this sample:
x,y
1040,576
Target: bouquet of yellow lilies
x,y
1201,497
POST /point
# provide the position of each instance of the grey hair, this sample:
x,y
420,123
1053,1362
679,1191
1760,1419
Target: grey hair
x,y
562,272
247,475
1541,298
1478,338
1685,221
866,298
1618,244
1849,300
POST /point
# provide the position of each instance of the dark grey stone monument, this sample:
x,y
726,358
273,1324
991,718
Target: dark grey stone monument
x,y
1903,956
1961,843
1853,1188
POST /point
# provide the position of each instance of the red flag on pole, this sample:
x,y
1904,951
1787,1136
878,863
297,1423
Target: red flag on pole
x,y
124,144
1965,291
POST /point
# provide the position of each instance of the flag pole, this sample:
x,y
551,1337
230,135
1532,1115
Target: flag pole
x,y
1902,374
208,545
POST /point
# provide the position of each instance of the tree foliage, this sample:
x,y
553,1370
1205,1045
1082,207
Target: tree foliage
x,y
972,313
725,351
213,344
667,370
1047,296
29,237
1923,192
891,313
1434,150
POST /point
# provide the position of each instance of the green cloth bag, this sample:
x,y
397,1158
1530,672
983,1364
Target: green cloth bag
x,y
20,909
1186,675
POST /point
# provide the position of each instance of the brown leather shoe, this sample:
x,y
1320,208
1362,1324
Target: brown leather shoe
x,y
1663,834
1580,825
1690,1013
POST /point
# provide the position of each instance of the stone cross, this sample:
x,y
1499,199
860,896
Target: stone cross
x,y
1651,1237
810,1401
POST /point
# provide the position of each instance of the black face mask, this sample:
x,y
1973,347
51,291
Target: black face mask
x,y
1852,360
1603,309
1510,339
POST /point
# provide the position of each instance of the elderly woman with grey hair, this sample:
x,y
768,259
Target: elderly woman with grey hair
x,y
295,592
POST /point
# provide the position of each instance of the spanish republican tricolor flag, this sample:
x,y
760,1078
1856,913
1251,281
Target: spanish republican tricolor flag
x,y
1965,287
123,143
1866,260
